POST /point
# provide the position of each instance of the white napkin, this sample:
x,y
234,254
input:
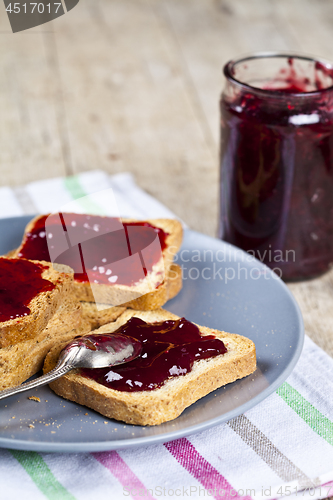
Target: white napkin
x,y
281,447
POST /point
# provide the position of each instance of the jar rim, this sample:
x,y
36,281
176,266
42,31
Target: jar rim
x,y
228,67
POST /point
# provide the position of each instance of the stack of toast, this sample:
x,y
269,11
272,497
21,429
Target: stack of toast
x,y
76,305
25,340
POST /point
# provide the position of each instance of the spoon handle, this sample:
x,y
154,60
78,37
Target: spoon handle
x,y
57,372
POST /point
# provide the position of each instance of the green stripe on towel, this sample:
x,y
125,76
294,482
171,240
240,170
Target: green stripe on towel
x,y
77,192
316,420
40,473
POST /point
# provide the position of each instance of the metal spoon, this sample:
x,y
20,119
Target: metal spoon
x,y
90,351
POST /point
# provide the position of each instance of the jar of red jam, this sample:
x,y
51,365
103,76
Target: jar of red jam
x,y
277,162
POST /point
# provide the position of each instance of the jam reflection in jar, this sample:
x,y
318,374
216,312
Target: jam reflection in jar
x,y
277,162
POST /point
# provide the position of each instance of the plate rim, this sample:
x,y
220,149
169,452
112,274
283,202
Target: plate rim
x,y
96,446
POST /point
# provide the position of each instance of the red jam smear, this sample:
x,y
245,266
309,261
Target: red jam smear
x,y
169,349
20,282
99,249
277,176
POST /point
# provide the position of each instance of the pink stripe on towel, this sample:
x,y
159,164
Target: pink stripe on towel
x,y
115,464
185,453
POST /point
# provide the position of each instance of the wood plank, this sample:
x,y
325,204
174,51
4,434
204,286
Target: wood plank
x,y
30,147
211,33
315,300
128,107
309,23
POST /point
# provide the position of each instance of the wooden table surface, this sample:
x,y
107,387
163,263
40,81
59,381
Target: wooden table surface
x,y
133,85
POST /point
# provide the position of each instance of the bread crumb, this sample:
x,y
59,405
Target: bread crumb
x,y
13,417
53,432
86,413
31,426
34,398
106,422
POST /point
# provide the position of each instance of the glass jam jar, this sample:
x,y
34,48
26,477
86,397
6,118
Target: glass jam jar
x,y
277,162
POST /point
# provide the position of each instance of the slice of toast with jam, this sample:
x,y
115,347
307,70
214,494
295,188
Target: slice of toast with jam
x,y
180,363
116,262
30,294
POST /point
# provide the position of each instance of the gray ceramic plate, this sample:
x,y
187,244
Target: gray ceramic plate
x,y
223,289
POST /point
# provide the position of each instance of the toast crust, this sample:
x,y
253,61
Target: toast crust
x,y
20,361
169,401
42,307
145,295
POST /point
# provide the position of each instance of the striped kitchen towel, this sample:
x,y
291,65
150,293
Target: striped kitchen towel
x,y
283,447
51,195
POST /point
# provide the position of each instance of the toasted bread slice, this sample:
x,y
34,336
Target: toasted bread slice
x,y
100,314
42,306
147,294
20,361
167,402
